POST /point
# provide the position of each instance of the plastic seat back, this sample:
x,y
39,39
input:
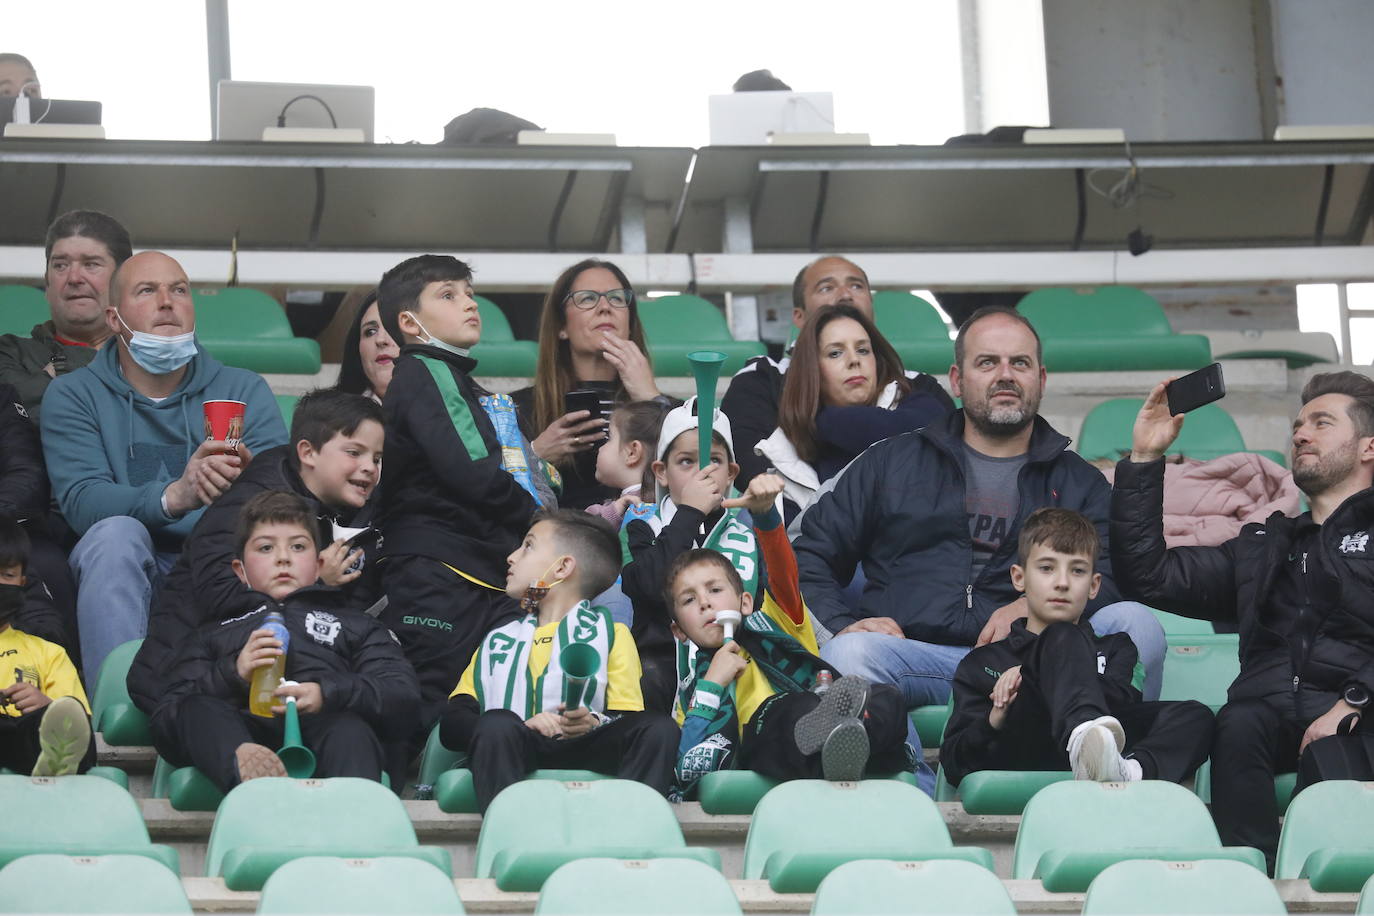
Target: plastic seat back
x,y
495,326
323,885
22,307
1208,432
873,887
633,887
1201,667
90,884
499,353
1327,838
112,711
74,816
247,328
1212,887
1101,312
915,330
676,325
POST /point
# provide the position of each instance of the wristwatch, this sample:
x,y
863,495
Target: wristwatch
x,y
1356,696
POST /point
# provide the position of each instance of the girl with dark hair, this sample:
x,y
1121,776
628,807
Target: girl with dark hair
x,y
590,338
845,390
368,353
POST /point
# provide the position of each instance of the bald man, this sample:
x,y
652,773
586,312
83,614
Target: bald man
x,y
124,444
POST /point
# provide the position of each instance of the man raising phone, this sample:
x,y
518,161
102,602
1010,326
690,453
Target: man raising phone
x,y
1301,591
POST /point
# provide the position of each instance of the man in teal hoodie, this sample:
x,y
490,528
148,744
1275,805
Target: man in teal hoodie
x,y
124,440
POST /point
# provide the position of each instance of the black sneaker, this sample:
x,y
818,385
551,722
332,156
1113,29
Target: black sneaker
x,y
845,752
844,700
63,737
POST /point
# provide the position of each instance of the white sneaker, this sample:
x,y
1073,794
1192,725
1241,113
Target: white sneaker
x,y
1095,752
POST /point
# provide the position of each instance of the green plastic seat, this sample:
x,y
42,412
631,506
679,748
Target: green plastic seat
x,y
1073,830
1365,906
1175,625
247,328
22,307
872,887
930,722
740,791
1201,667
113,713
1327,838
635,887
435,760
264,823
456,793
185,788
286,403
1284,784
607,818
382,886
804,829
676,325
1214,888
499,353
90,884
915,330
1001,791
1109,329
74,816
1208,432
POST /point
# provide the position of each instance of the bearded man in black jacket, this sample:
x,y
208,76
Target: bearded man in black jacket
x,y
1300,590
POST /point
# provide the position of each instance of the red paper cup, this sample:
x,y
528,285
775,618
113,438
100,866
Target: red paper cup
x,y
224,422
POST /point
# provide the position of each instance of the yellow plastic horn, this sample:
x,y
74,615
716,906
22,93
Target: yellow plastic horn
x,y
706,370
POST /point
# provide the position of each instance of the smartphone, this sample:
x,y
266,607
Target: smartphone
x,y
584,399
1196,389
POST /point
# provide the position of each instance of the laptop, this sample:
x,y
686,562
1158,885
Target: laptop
x,y
53,111
752,118
246,108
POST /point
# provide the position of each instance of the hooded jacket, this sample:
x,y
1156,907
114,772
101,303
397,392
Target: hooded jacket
x,y
899,509
24,359
112,451
1295,657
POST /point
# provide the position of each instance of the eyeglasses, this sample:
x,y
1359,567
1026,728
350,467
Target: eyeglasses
x,y
587,298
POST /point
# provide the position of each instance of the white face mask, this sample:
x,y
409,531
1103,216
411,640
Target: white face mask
x,y
434,341
157,354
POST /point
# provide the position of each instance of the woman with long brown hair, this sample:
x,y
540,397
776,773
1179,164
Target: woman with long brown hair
x,y
590,339
845,390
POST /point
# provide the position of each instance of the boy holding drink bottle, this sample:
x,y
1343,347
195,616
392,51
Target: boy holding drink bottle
x,y
353,681
526,701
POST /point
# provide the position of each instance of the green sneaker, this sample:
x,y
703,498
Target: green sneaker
x,y
63,736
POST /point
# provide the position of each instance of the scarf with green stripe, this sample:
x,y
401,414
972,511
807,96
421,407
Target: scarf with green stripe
x,y
729,536
502,676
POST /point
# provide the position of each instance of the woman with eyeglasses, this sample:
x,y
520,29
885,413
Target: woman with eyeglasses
x,y
590,339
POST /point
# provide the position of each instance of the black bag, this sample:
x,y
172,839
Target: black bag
x,y
486,127
1348,754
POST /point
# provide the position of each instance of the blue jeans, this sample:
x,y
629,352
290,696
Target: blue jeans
x,y
116,568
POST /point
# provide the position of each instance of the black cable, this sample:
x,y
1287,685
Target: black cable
x,y
557,217
1319,234
1081,186
822,191
281,118
58,187
318,215
692,271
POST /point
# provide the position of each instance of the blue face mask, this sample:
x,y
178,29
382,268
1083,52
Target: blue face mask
x,y
436,342
160,355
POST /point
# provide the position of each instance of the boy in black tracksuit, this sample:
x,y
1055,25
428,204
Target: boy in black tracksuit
x,y
460,483
1053,695
353,685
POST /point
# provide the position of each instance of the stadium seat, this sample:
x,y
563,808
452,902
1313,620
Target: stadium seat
x,y
635,887
1177,625
676,325
575,822
435,760
740,791
1107,329
456,793
286,403
185,788
113,713
1005,792
74,816
90,884
499,353
382,886
804,829
873,887
22,307
1327,838
1208,432
930,722
1204,888
1201,667
1284,783
915,330
247,328
1365,906
265,823
1073,830
1297,348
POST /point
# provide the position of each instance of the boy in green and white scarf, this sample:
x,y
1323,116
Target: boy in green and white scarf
x,y
508,710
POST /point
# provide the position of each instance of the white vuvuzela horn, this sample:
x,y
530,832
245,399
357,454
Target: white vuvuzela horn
x,y
729,620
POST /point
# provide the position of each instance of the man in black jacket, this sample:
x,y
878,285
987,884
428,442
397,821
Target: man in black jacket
x,y
751,401
934,515
1301,591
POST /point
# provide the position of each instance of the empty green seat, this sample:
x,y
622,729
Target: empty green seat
x,y
286,403
1073,830
247,328
915,330
456,793
1327,836
185,788
1213,888
1297,348
435,760
676,325
607,818
1004,792
113,713
636,887
1207,432
804,829
22,307
74,816
264,823
381,886
1176,625
499,353
90,884
930,722
1201,667
1284,783
1110,328
873,887
740,791
1365,906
